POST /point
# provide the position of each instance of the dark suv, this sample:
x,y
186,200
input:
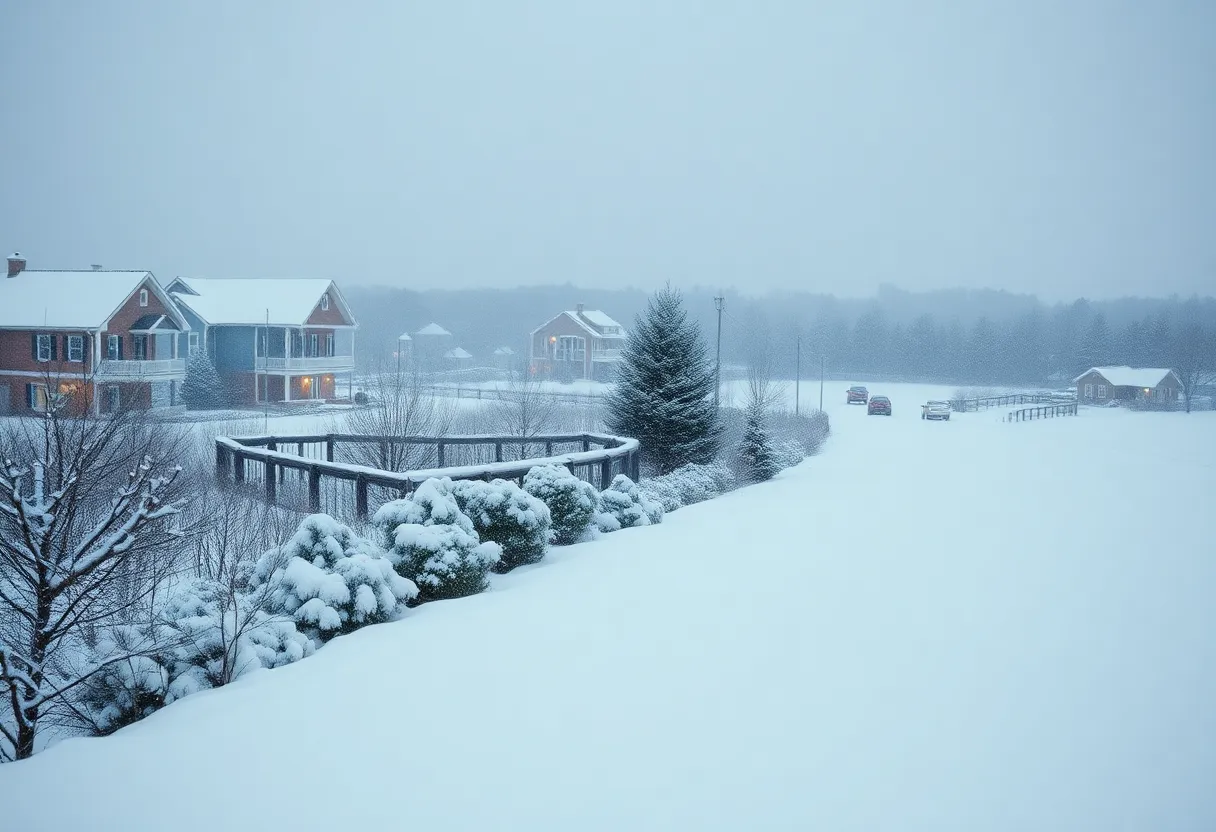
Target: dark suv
x,y
858,395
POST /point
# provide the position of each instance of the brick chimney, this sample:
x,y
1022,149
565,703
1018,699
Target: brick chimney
x,y
16,264
579,309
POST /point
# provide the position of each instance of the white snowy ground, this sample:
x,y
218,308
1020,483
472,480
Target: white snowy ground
x,y
931,626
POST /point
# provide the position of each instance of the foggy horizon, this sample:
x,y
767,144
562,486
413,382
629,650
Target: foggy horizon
x,y
1059,152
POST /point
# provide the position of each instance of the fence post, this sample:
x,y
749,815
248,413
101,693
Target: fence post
x,y
635,465
238,467
605,472
440,454
300,449
314,489
360,497
221,463
329,447
498,452
586,445
270,482
548,449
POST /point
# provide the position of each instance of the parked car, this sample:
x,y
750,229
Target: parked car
x,y
858,395
880,405
936,410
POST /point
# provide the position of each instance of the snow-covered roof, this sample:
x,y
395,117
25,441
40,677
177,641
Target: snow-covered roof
x,y
252,301
457,353
585,321
432,329
504,351
69,299
597,318
405,336
1130,376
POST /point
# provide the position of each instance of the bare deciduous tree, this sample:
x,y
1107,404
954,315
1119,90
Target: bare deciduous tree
x,y
523,409
401,404
88,532
1194,360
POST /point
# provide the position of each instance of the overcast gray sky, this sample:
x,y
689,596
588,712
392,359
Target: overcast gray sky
x,y
1062,147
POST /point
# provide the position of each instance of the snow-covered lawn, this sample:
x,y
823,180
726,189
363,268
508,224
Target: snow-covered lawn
x,y
961,625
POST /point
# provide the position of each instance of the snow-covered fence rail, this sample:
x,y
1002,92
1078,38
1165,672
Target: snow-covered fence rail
x,y
986,402
1047,411
310,478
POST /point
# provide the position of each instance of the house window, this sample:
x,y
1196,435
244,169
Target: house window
x,y
325,301
143,297
37,397
313,345
114,347
1089,391
113,399
192,344
1101,391
571,348
140,342
45,347
329,344
76,348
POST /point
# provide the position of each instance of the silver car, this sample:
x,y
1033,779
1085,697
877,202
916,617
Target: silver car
x,y
936,410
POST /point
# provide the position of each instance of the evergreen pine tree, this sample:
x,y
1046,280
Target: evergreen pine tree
x,y
664,390
759,458
202,389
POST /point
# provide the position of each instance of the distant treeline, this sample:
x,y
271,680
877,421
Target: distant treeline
x,y
979,336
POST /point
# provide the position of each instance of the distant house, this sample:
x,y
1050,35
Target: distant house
x,y
458,358
430,344
1099,385
579,344
96,339
504,358
271,340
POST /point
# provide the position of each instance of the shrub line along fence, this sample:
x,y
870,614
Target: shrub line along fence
x,y
318,480
1043,412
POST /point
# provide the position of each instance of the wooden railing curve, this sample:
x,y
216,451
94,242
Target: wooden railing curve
x,y
254,460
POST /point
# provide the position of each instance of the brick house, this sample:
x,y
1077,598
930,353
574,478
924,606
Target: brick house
x,y
96,339
1101,385
582,344
271,340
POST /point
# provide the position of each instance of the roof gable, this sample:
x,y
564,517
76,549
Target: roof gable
x,y
585,321
432,329
253,301
1148,377
77,299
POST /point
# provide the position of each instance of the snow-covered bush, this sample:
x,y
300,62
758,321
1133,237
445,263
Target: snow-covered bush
x,y
624,505
444,561
210,634
505,514
572,503
692,483
330,580
432,542
788,453
123,691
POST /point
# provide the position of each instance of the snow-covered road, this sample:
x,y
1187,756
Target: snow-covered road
x,y
931,626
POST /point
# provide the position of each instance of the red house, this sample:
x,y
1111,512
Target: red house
x,y
87,339
271,340
583,344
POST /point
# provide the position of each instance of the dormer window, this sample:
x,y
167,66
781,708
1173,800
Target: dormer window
x,y
143,297
325,301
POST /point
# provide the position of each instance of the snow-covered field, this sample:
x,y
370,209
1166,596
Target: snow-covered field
x,y
962,625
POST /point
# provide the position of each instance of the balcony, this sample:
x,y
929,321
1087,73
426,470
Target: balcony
x,y
307,364
606,355
116,370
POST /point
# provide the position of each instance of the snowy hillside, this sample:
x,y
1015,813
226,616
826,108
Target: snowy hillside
x,y
963,625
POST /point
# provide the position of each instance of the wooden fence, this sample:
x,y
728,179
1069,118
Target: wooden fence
x,y
1046,411
986,402
305,472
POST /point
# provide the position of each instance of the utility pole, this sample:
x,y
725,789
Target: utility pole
x,y
718,301
797,372
823,360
